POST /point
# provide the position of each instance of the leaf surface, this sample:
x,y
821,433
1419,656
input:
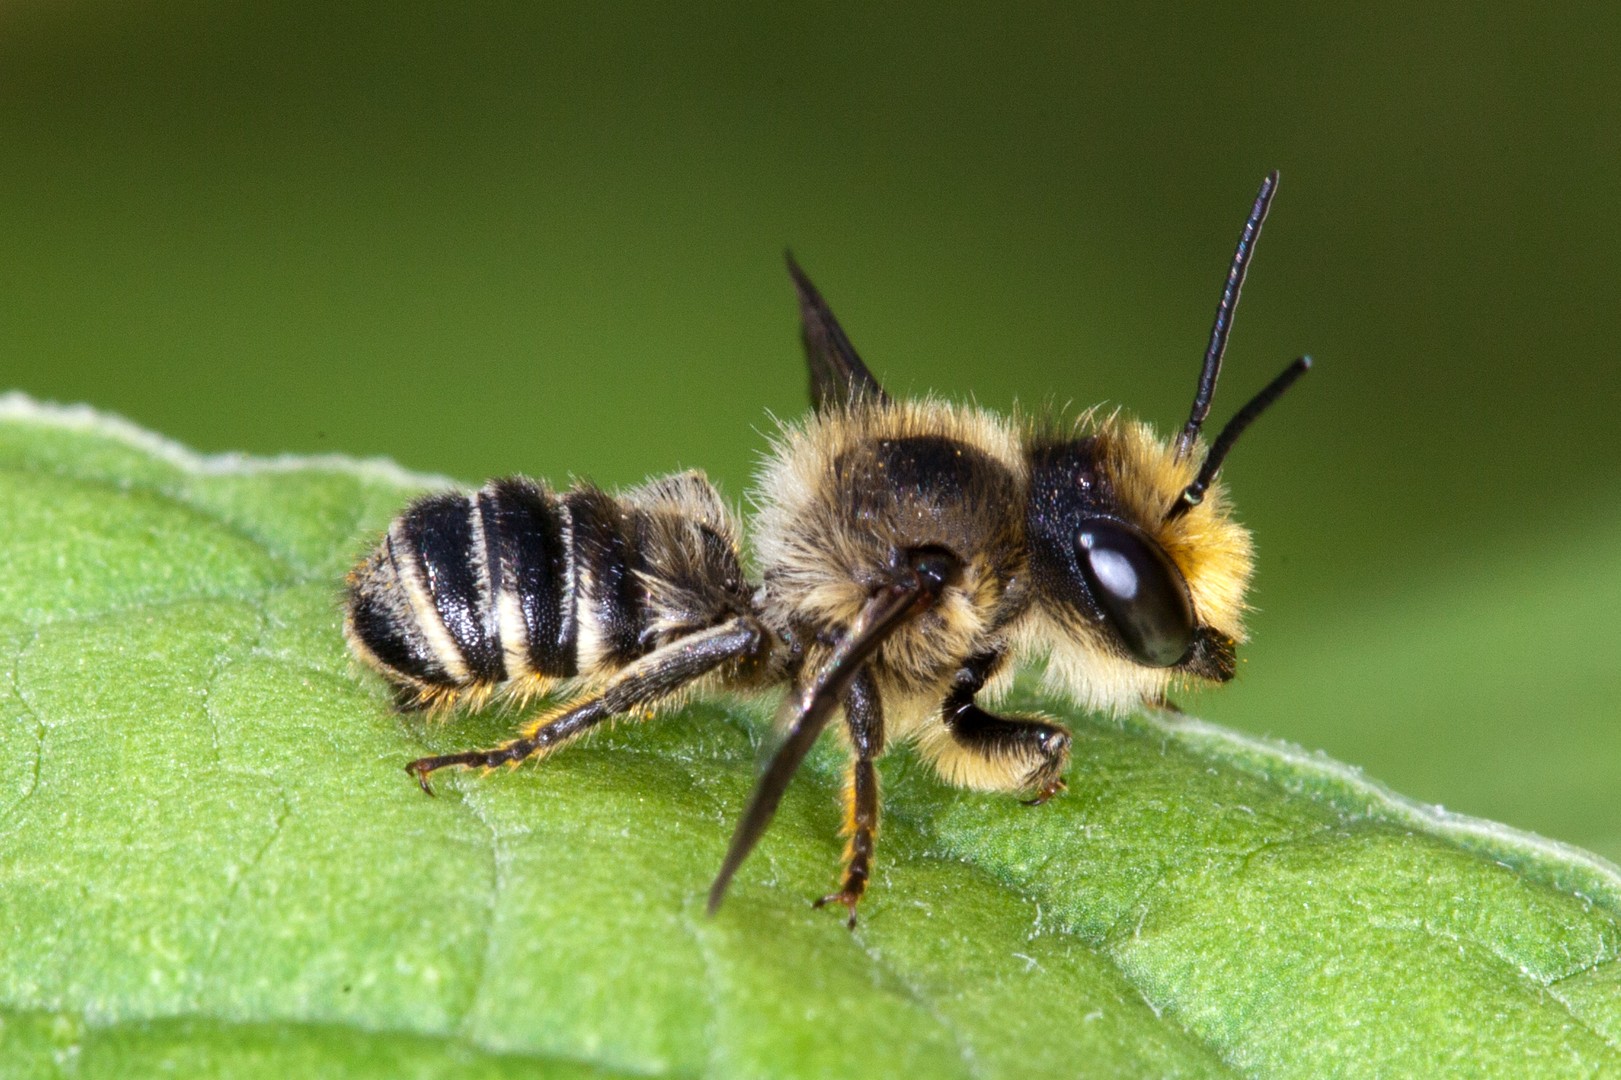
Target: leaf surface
x,y
212,863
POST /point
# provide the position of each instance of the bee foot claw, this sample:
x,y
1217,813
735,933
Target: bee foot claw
x,y
1047,791
846,897
420,769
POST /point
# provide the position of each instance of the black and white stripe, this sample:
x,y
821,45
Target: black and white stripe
x,y
609,595
511,582
528,529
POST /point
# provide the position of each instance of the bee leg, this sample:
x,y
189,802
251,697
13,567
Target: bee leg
x,y
982,750
918,583
546,737
656,675
864,717
998,753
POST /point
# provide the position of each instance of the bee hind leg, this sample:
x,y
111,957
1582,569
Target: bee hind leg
x,y
657,675
545,737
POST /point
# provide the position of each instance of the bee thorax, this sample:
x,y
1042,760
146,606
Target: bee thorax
x,y
853,494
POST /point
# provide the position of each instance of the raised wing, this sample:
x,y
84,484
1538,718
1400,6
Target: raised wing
x,y
837,375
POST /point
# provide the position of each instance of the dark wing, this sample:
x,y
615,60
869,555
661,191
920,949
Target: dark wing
x,y
837,375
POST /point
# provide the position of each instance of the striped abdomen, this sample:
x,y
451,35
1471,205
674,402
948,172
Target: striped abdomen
x,y
466,593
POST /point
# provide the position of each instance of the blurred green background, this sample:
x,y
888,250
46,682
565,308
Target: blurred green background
x,y
489,238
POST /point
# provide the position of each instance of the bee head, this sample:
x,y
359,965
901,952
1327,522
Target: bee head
x,y
1133,550
1140,596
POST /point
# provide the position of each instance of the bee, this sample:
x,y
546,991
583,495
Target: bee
x,y
909,554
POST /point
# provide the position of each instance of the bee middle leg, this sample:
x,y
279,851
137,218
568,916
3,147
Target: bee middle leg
x,y
658,674
864,718
921,576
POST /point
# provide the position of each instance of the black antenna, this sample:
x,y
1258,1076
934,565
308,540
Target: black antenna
x,y
1224,315
1193,494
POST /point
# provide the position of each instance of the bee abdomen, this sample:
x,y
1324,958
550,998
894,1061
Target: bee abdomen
x,y
421,608
528,529
609,597
383,629
445,540
469,592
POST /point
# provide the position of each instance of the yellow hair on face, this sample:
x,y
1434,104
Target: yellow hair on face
x,y
1214,553
1211,551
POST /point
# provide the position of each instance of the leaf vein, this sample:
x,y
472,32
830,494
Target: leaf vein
x,y
11,811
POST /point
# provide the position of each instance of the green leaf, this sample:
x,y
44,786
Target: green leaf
x,y
211,862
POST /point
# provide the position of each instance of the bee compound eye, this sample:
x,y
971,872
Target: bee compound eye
x,y
1139,590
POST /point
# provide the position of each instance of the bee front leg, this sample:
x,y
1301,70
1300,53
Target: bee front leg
x,y
977,749
864,717
998,753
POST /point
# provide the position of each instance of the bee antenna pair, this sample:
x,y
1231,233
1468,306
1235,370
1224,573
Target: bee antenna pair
x,y
1194,493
